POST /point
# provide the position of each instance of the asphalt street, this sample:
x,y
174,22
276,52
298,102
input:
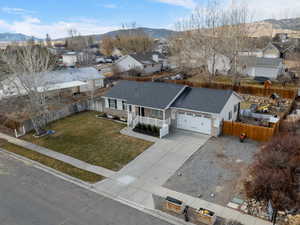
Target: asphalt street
x,y
30,196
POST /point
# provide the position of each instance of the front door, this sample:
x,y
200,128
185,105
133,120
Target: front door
x,y
141,111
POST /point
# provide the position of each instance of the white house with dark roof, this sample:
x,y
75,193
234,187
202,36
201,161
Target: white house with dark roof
x,y
173,106
147,63
83,79
260,67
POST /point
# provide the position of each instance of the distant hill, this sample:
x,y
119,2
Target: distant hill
x,y
152,32
11,37
285,24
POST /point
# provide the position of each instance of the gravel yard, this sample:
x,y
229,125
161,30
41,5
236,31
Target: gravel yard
x,y
216,168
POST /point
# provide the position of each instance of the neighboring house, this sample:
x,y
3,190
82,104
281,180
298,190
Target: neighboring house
x,y
89,75
260,67
250,52
271,51
219,64
281,37
76,79
173,106
278,49
70,59
117,53
146,63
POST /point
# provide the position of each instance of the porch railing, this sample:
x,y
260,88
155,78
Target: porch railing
x,y
151,121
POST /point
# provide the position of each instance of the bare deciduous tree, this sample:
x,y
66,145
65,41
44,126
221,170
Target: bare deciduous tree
x,y
27,66
48,41
209,34
107,45
133,40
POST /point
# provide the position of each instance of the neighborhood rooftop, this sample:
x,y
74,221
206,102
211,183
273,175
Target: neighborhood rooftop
x,y
203,99
161,95
259,62
71,74
146,58
148,94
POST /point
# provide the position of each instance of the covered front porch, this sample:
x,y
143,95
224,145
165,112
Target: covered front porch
x,y
160,118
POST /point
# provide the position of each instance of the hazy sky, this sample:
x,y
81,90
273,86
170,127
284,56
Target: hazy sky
x,y
36,17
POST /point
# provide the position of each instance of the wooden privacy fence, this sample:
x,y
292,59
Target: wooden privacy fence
x,y
243,89
257,133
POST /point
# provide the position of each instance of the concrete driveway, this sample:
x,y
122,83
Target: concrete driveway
x,y
153,167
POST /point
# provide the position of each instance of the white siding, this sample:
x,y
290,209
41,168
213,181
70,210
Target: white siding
x,y
127,63
222,64
106,103
271,73
69,60
149,69
229,107
119,105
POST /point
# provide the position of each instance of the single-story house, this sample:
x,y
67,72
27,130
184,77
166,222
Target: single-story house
x,y
76,79
146,63
260,67
277,50
171,106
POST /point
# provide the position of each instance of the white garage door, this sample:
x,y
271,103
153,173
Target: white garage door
x,y
192,122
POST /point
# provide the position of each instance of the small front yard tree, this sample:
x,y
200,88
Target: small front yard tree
x,y
27,67
272,176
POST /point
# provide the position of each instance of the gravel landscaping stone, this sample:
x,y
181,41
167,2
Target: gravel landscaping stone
x,y
215,171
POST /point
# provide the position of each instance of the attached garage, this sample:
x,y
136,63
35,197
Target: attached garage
x,y
193,122
202,110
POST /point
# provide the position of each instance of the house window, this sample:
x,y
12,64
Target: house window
x,y
112,103
124,105
230,115
130,108
159,114
235,108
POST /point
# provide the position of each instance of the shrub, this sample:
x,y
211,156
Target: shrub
x,y
116,118
138,126
149,129
143,127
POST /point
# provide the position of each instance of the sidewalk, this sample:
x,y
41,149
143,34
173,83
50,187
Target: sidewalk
x,y
56,155
133,182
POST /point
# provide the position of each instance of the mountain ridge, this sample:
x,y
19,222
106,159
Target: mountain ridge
x,y
260,28
18,37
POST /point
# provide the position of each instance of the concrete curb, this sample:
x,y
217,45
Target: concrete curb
x,y
89,186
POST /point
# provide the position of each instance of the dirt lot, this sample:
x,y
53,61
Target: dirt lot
x,y
217,168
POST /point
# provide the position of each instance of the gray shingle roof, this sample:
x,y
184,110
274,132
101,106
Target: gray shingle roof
x,y
146,58
252,61
71,74
160,95
203,99
147,94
